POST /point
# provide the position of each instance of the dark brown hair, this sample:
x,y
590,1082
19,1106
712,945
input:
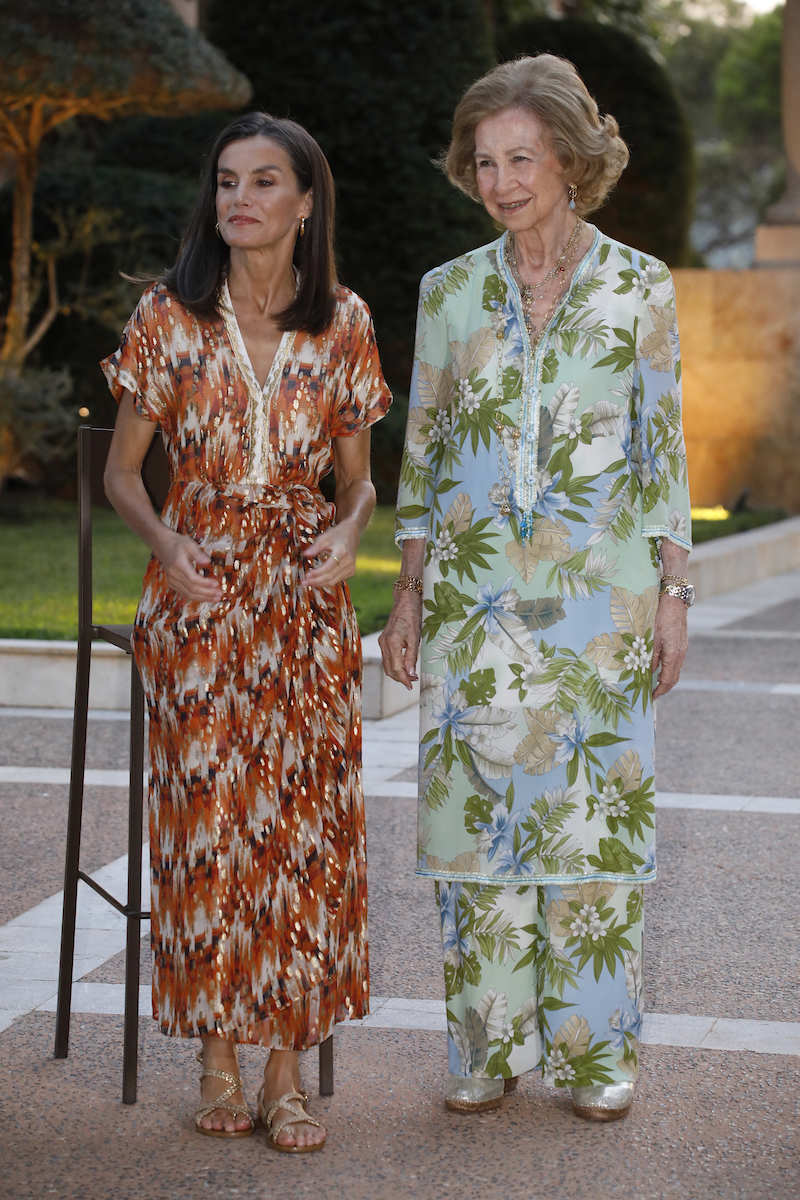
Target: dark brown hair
x,y
202,262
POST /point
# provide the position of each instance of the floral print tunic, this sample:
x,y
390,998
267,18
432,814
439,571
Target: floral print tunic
x,y
542,481
257,840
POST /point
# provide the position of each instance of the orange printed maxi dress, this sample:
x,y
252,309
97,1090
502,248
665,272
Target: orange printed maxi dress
x,y
257,838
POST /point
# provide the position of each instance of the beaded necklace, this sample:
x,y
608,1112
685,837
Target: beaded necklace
x,y
527,491
530,292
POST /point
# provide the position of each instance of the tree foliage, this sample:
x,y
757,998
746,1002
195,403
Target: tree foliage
x,y
651,206
71,56
60,59
725,65
748,83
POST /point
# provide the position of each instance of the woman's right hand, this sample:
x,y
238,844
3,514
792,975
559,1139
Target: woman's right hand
x,y
181,558
399,641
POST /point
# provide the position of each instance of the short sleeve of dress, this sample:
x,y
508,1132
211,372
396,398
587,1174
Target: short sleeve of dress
x,y
141,364
362,396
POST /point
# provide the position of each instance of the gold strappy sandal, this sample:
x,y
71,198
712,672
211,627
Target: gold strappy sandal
x,y
223,1100
293,1104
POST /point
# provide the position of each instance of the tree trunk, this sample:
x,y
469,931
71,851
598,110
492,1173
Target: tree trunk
x,y
12,354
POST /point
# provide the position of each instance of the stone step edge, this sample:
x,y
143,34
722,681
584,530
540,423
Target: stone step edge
x,y
41,674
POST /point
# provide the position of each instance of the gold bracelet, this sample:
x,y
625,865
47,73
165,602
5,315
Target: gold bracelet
x,y
678,579
408,583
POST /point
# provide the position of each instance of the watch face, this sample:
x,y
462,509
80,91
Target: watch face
x,y
689,595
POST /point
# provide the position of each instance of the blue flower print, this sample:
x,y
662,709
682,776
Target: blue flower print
x,y
508,328
453,937
454,714
570,739
651,463
649,864
493,602
548,501
499,830
621,1022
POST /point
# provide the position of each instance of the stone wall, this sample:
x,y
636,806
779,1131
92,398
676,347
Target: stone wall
x,y
740,341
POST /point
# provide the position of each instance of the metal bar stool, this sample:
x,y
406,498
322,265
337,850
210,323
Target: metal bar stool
x,y
93,446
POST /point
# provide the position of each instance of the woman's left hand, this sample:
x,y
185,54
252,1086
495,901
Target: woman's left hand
x,y
670,643
336,548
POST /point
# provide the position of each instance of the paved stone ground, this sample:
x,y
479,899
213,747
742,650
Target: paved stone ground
x,y
716,1109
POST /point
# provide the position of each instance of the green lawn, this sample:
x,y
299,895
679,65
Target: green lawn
x,y
38,580
704,530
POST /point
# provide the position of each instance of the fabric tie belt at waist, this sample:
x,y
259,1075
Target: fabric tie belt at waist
x,y
296,500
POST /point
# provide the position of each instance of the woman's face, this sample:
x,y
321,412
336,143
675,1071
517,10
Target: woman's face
x,y
259,199
519,178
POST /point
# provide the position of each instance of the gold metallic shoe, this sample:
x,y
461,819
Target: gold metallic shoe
x,y
223,1101
603,1102
293,1105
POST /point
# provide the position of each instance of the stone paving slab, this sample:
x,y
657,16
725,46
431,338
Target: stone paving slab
x,y
45,742
732,659
34,830
705,1125
744,744
717,938
779,617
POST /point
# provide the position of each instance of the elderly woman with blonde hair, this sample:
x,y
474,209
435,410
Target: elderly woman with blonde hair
x,y
544,520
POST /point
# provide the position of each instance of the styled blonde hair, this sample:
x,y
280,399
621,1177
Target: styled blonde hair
x,y
587,145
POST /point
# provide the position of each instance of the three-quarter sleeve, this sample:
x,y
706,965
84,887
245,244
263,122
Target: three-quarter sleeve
x,y
662,461
140,365
362,396
428,420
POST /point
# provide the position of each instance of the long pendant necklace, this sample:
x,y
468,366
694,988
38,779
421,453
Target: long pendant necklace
x,y
530,293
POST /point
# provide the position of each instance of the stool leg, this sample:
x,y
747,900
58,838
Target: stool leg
x,y
326,1067
73,850
134,905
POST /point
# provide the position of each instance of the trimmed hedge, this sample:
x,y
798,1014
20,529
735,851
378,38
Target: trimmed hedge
x,y
651,207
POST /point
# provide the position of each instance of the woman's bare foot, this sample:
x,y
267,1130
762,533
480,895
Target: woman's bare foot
x,y
219,1054
282,1075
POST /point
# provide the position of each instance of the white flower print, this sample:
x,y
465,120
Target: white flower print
x,y
637,658
587,923
557,1068
610,803
441,427
647,280
444,548
468,401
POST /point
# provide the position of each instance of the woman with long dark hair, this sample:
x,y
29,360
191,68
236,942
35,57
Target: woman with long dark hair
x,y
262,374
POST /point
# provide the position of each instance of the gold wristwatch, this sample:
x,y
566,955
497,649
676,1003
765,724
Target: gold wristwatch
x,y
676,585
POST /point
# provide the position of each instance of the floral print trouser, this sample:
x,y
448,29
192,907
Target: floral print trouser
x,y
546,976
